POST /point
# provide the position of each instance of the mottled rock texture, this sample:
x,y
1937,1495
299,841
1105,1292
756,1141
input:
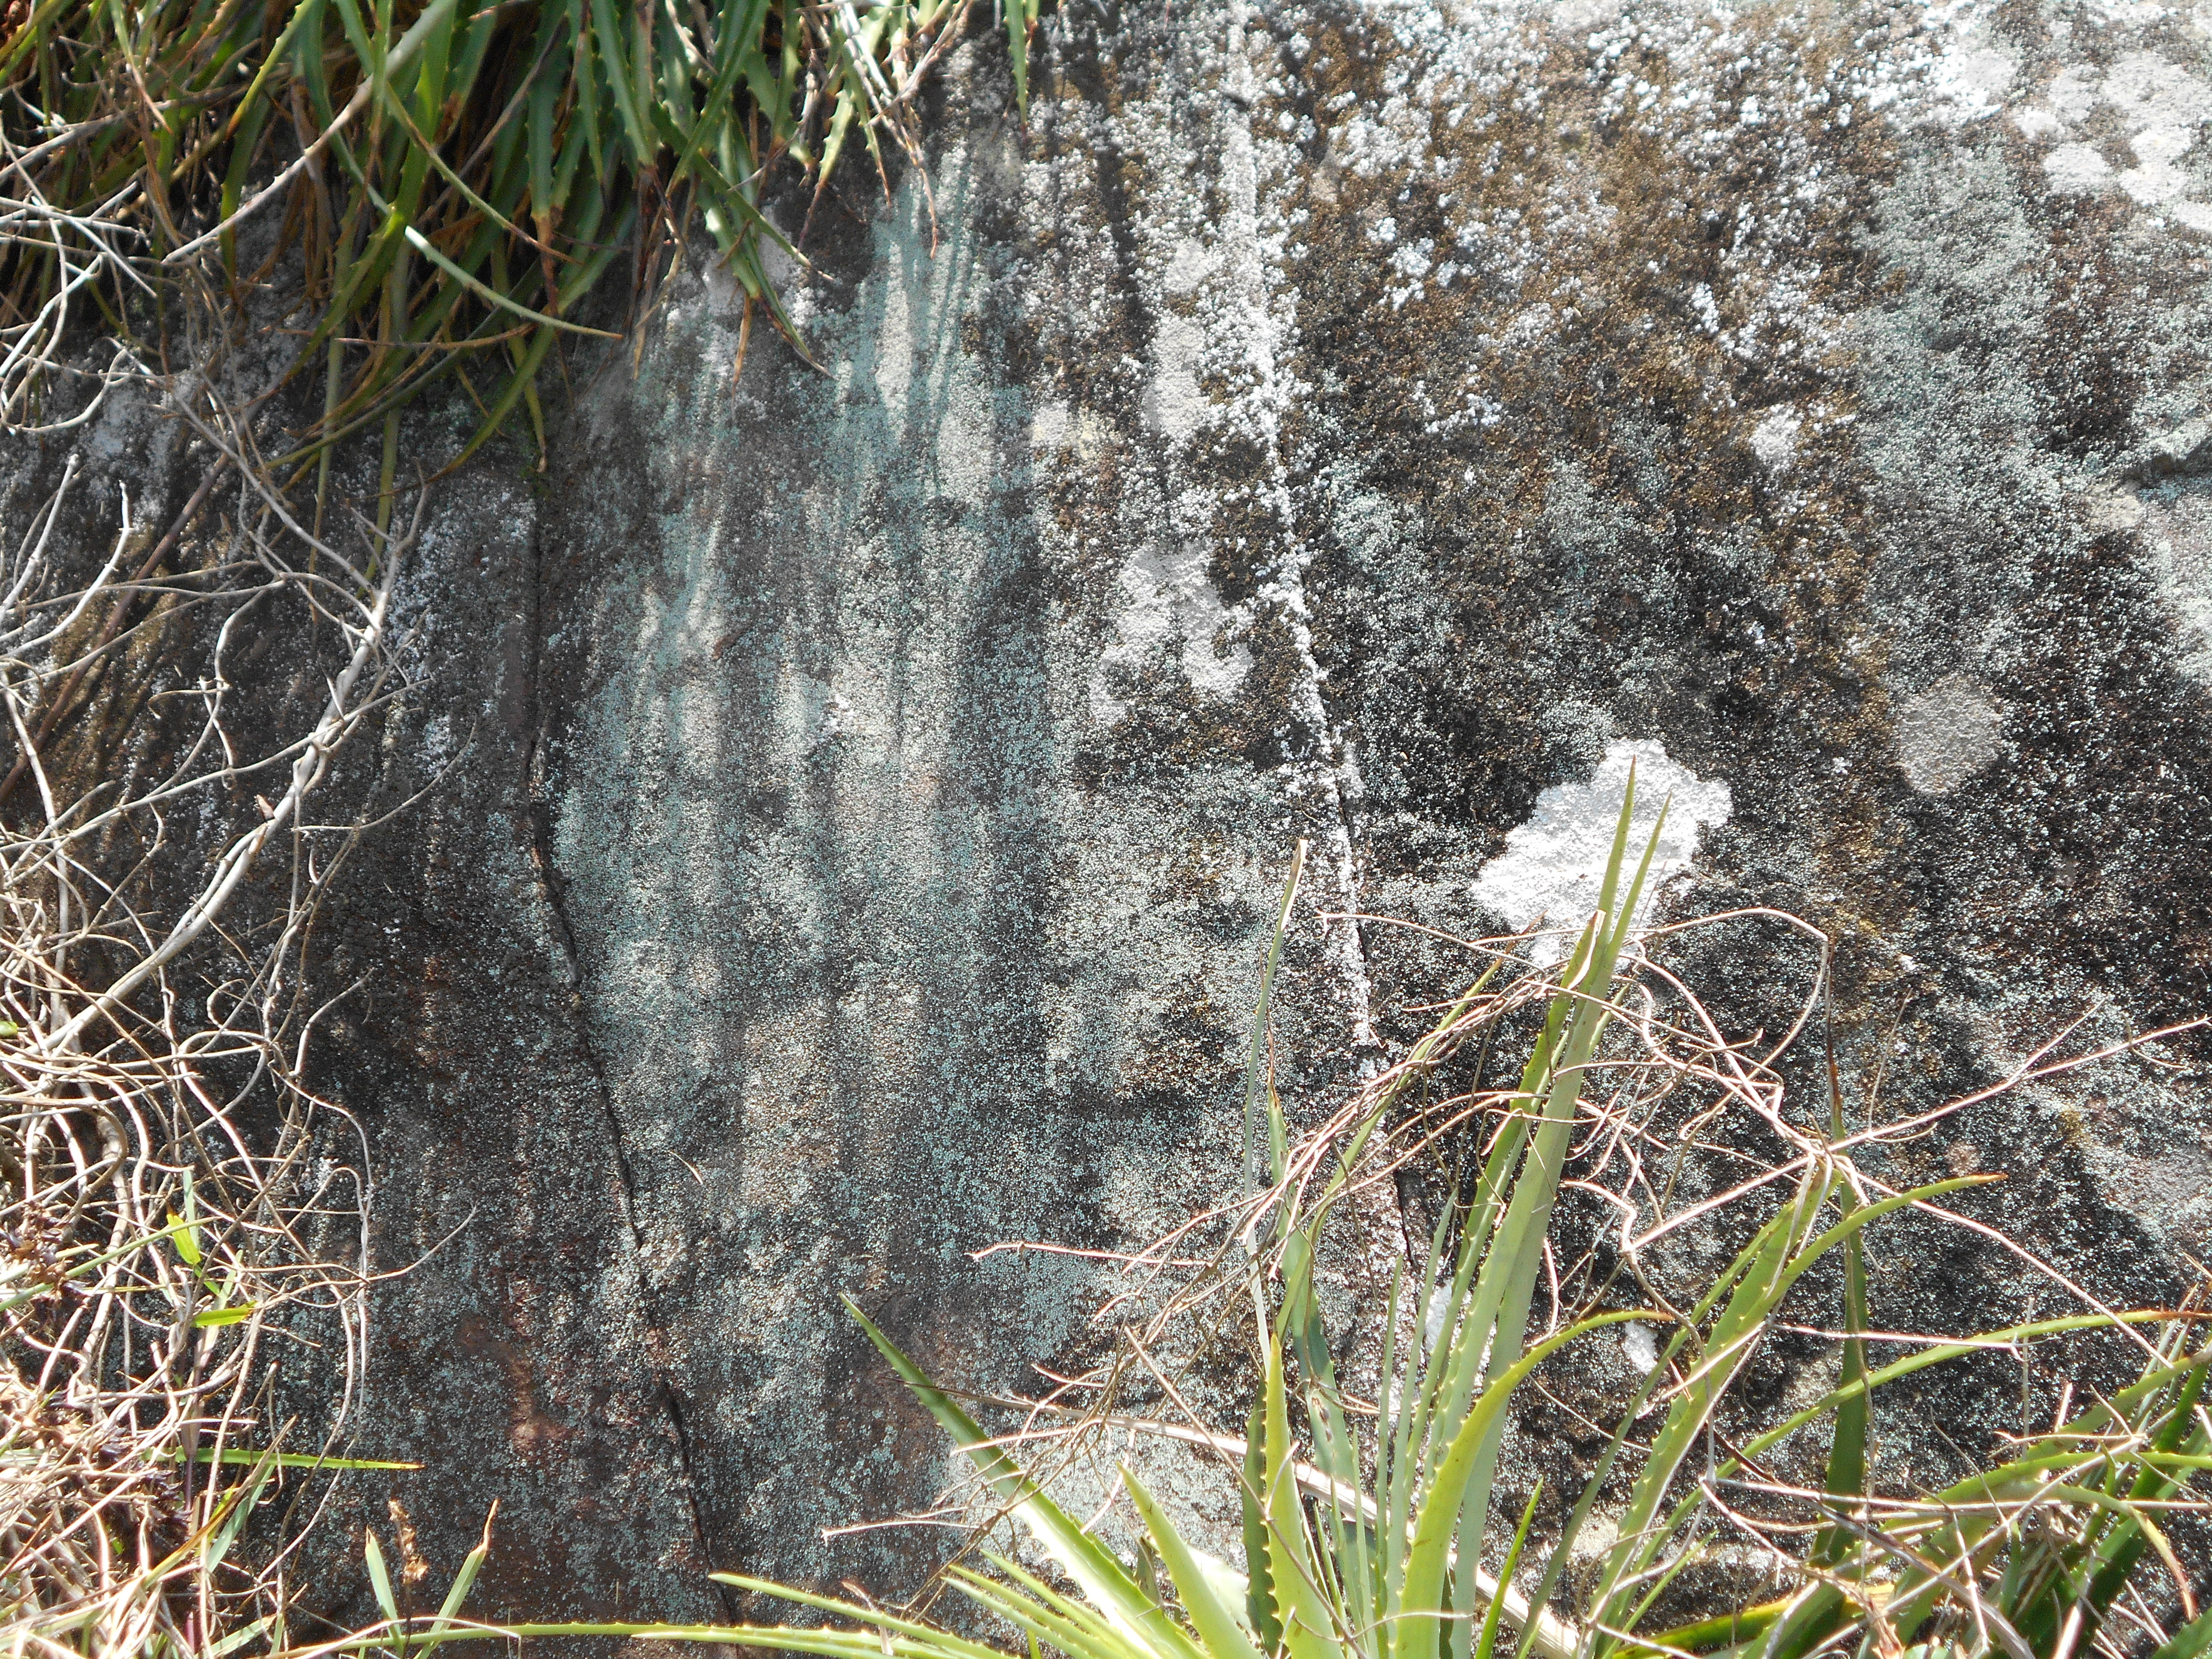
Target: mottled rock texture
x,y
866,789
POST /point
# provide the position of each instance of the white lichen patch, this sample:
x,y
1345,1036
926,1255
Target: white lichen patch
x,y
2178,535
1191,263
1970,79
1774,439
1640,1348
1552,869
1079,430
2077,170
2158,179
1170,611
1174,405
1948,733
2160,109
2152,94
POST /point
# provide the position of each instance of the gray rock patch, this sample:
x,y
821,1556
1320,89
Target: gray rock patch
x,y
1947,734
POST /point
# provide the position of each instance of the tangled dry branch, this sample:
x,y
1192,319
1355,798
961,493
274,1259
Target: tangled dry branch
x,y
181,1225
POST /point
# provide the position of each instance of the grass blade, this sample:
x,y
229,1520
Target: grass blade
x,y
1220,1631
1118,1596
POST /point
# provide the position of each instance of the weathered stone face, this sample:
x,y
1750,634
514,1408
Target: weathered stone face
x,y
868,788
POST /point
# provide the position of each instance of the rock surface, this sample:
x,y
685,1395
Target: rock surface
x,y
865,791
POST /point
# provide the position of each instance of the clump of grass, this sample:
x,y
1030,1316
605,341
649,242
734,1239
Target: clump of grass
x,y
1366,1527
455,178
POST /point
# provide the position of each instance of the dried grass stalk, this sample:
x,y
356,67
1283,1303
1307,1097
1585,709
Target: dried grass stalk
x,y
179,1218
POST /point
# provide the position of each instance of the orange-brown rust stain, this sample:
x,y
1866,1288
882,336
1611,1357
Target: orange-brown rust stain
x,y
533,1432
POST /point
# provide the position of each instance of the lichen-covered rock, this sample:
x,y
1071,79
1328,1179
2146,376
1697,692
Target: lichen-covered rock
x,y
864,791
